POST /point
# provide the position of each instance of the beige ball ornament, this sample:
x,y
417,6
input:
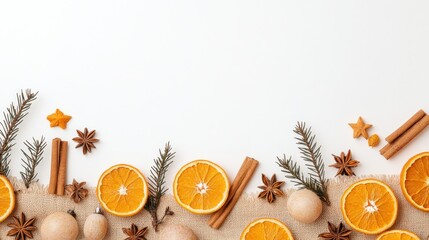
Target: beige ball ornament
x,y
176,232
304,206
95,227
60,226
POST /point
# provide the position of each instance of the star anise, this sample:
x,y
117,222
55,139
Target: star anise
x,y
344,163
271,188
336,233
77,191
21,228
134,233
85,140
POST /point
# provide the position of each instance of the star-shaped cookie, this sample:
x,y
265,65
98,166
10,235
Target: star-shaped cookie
x,y
359,128
59,119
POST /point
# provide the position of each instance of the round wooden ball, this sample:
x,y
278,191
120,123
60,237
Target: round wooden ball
x,y
304,206
176,232
59,226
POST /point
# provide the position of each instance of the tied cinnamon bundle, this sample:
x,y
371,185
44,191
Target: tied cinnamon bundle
x,y
58,167
405,134
237,187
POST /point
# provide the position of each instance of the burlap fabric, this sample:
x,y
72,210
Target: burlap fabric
x,y
35,202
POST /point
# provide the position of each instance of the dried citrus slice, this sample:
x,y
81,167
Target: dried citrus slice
x,y
122,190
415,181
266,228
369,206
7,198
398,235
201,187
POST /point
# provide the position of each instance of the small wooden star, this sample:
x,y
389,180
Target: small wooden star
x,y
59,119
359,128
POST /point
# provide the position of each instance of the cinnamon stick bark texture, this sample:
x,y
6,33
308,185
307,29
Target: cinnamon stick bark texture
x,y
237,187
54,165
407,125
62,170
391,149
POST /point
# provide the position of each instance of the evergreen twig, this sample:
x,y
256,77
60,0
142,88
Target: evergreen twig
x,y
157,185
311,154
32,159
13,116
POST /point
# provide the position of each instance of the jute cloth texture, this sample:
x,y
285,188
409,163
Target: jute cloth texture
x,y
36,202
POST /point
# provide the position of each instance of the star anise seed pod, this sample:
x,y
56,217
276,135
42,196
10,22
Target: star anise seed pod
x,y
21,228
336,233
344,163
77,191
134,233
85,140
271,188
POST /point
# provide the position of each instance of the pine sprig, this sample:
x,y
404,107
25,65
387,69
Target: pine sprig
x,y
32,159
310,153
13,116
157,184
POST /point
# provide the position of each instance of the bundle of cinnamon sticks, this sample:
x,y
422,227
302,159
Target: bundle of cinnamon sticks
x,y
237,187
405,133
57,180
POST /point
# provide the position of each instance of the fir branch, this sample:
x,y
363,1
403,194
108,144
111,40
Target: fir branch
x,y
32,159
157,184
311,154
13,116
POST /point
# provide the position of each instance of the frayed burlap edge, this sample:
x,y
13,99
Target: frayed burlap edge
x,y
36,202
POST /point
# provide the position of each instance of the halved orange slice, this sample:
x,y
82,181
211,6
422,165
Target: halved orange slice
x,y
122,190
369,206
7,198
267,229
415,181
398,235
201,187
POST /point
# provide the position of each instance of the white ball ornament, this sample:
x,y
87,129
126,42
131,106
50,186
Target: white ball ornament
x,y
304,206
176,232
59,226
95,227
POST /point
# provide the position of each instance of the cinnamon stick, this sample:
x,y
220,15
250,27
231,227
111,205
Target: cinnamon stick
x,y
237,187
62,170
406,137
404,127
54,165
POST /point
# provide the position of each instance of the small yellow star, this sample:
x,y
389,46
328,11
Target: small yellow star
x,y
59,119
359,128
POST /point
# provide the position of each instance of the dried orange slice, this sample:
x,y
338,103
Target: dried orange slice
x,y
369,206
122,190
201,187
398,235
266,228
415,181
7,198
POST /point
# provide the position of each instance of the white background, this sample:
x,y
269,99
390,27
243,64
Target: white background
x,y
221,80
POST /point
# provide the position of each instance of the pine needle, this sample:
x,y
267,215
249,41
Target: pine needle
x,y
157,184
13,116
310,153
32,159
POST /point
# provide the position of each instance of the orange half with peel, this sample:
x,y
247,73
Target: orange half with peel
x,y
398,235
415,181
122,190
201,187
267,229
7,198
369,206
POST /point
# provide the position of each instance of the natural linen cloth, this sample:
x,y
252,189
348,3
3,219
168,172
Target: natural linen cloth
x,y
36,202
